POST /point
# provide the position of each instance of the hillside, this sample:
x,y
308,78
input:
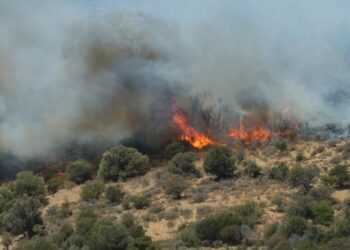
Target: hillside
x,y
163,216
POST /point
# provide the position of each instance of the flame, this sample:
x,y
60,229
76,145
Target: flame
x,y
196,138
250,135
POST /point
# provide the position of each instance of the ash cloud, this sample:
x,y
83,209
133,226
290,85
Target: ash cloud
x,y
72,73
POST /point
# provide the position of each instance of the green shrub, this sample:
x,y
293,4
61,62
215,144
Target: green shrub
x,y
283,245
85,220
22,216
174,148
92,190
300,157
230,234
53,185
337,244
294,225
175,186
300,177
107,235
65,210
270,230
219,162
189,236
281,145
183,164
252,170
279,172
29,184
37,243
248,212
79,171
114,194
322,212
307,245
122,162
141,201
337,177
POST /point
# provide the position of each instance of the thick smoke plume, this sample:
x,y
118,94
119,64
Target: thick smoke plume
x,y
81,73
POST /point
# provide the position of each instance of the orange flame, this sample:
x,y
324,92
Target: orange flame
x,y
250,135
196,138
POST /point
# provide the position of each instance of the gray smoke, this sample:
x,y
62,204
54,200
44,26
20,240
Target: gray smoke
x,y
71,73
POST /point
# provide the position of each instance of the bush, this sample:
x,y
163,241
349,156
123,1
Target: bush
x,y
279,172
37,243
65,210
175,186
230,234
337,244
107,235
300,177
294,225
22,216
183,164
114,194
79,171
219,162
175,147
29,184
53,185
322,212
252,170
123,162
141,202
338,177
281,145
300,157
92,190
226,226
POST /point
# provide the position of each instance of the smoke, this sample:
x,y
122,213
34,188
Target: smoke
x,y
92,72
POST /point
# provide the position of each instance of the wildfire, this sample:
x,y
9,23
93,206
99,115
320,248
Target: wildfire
x,y
196,138
250,135
256,127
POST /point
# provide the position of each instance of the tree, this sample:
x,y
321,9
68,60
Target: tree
x,y
53,185
219,161
322,212
294,225
123,162
79,171
338,176
29,184
22,216
301,177
37,243
92,190
114,194
279,172
183,164
175,186
108,236
252,170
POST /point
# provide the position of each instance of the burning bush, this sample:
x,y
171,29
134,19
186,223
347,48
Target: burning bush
x,y
219,162
123,162
79,171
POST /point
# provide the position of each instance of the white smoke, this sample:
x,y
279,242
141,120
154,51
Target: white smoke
x,y
86,71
